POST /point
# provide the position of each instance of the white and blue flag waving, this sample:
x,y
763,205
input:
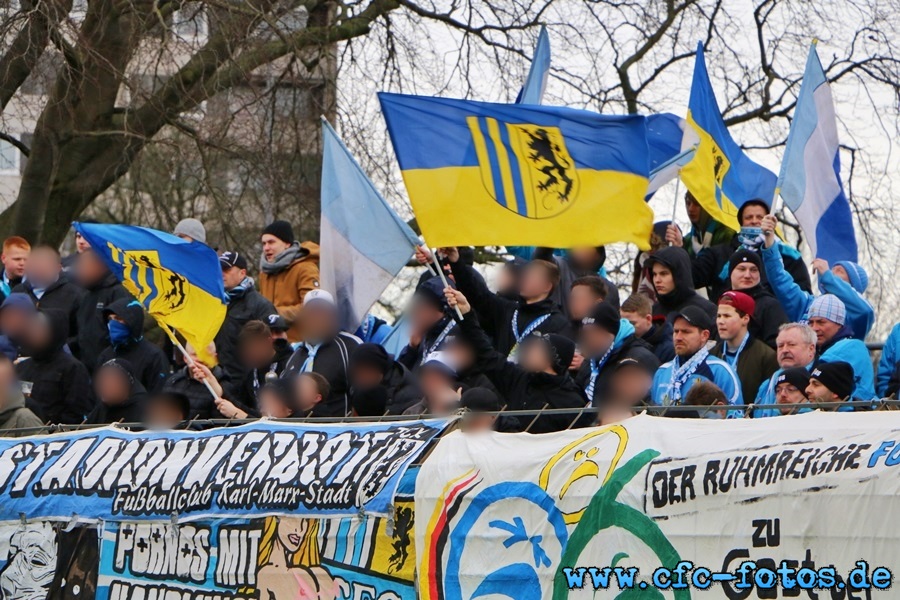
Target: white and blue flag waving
x,y
364,242
536,82
810,178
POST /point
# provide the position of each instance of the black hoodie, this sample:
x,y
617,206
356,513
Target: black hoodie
x,y
130,411
684,295
61,386
501,312
93,335
60,295
148,361
768,316
524,390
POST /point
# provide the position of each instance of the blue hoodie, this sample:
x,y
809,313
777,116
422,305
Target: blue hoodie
x,y
843,347
796,302
890,355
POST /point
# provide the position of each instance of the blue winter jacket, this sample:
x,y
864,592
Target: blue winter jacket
x,y
889,357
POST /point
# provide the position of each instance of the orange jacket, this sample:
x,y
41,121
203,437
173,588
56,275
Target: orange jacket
x,y
287,288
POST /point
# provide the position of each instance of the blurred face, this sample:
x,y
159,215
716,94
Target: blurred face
x,y
731,325
688,339
273,246
585,257
271,404
14,261
753,215
534,357
111,386
840,272
663,280
595,341
364,377
816,392
14,323
792,350
786,393
694,210
630,386
233,277
535,285
89,269
825,329
81,244
434,383
641,323
257,353
582,299
506,281
37,333
43,267
475,422
307,393
319,321
424,315
462,355
745,276
163,415
211,350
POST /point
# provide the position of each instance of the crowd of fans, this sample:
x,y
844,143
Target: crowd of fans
x,y
716,320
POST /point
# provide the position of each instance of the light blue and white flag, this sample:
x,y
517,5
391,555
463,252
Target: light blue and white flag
x,y
364,243
810,178
536,82
665,133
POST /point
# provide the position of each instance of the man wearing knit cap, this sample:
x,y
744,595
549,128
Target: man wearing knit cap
x,y
605,339
190,230
796,302
835,343
790,389
751,359
745,272
288,271
831,382
693,363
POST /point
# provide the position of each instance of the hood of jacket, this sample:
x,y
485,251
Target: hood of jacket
x,y
129,311
679,262
107,281
658,332
626,331
547,305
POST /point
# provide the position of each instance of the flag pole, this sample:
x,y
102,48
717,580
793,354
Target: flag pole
x,y
675,204
437,265
421,246
187,357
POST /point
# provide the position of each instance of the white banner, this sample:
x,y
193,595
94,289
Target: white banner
x,y
802,506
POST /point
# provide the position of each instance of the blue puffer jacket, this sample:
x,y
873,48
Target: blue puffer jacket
x,y
843,347
796,302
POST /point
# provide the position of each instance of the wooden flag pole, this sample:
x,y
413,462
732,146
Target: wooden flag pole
x,y
187,357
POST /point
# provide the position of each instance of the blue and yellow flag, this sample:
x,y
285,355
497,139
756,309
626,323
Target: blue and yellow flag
x,y
720,176
178,282
485,174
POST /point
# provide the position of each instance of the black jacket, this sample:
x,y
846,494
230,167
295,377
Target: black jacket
x,y
151,367
768,316
244,305
244,392
61,385
130,411
523,390
684,295
403,389
659,337
93,335
709,265
203,405
631,347
62,295
332,361
13,283
433,340
500,311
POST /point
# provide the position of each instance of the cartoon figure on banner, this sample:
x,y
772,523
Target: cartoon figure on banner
x,y
574,474
31,563
402,527
289,561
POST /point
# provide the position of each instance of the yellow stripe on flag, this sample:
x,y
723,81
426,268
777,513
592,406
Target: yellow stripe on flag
x,y
509,191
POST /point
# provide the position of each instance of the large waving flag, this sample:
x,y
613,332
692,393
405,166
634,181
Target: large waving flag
x,y
485,174
810,177
178,282
364,243
720,176
536,82
665,132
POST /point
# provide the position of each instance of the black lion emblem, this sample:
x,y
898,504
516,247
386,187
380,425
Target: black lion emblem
x,y
547,157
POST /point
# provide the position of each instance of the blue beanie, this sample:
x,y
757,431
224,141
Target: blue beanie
x,y
859,279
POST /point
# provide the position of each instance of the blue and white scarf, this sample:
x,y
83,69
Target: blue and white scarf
x,y
680,374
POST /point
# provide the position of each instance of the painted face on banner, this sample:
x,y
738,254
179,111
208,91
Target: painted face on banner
x,y
574,474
